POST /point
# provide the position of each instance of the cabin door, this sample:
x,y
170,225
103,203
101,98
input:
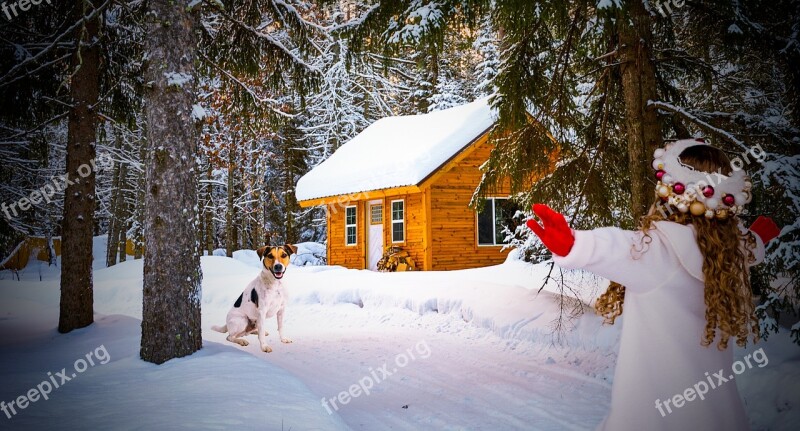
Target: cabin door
x,y
375,234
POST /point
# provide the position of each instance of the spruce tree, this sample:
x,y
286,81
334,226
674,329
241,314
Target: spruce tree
x,y
171,326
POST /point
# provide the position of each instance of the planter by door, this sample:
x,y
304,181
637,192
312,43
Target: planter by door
x,y
375,237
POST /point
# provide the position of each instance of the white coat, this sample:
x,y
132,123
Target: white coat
x,y
660,355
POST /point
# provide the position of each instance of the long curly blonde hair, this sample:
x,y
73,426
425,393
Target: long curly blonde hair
x,y
727,294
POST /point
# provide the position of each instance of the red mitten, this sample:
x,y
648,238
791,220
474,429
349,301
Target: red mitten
x,y
765,228
556,234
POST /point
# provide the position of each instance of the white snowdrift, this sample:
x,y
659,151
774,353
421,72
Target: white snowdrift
x,y
308,254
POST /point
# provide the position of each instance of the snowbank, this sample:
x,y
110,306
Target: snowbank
x,y
216,388
501,299
308,254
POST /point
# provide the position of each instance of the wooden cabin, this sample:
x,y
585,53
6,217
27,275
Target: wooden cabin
x,y
36,246
407,181
32,246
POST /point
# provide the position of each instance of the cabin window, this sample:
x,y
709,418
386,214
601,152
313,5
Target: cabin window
x,y
398,221
376,214
350,225
497,215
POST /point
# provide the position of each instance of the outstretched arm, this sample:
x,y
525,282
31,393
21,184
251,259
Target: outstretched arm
x,y
765,230
609,252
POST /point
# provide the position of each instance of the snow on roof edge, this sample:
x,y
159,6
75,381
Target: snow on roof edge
x,y
417,147
469,144
464,148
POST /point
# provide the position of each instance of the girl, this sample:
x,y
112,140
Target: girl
x,y
683,278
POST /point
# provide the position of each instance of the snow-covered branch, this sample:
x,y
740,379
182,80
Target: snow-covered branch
x,y
697,121
4,80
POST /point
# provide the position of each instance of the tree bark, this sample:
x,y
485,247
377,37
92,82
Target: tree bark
x,y
121,215
122,240
230,218
208,214
77,296
113,223
172,274
138,217
638,86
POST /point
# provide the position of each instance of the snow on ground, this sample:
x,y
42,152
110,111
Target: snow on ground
x,y
308,254
438,350
216,388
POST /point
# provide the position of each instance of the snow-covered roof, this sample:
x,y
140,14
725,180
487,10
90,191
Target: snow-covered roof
x,y
397,151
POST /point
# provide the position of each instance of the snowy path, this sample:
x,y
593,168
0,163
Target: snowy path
x,y
450,382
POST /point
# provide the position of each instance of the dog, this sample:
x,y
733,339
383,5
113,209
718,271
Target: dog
x,y
263,298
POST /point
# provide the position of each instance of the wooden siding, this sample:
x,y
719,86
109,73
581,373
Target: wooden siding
x,y
441,228
453,224
414,242
19,257
355,256
349,256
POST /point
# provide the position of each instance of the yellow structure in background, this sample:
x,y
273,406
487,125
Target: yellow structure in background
x,y
130,248
21,255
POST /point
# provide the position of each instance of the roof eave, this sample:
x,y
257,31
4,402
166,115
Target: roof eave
x,y
455,158
348,199
345,199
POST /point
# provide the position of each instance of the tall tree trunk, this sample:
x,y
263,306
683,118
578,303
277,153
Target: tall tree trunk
x,y
256,236
77,296
121,215
113,223
638,86
208,214
122,240
290,202
230,218
237,221
172,274
201,218
138,218
201,225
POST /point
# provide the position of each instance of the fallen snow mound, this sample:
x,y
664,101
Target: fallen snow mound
x,y
308,254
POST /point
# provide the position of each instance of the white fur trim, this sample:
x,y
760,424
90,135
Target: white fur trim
x,y
694,181
581,251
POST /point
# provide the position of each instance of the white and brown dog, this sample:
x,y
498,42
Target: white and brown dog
x,y
263,298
